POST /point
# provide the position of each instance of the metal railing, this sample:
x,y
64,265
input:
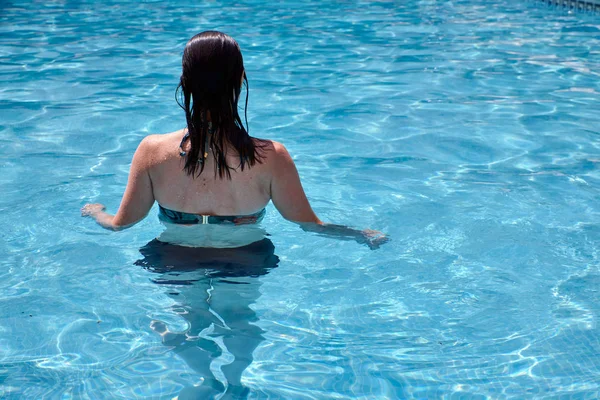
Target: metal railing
x,y
581,5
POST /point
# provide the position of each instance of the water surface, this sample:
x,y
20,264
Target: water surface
x,y
468,131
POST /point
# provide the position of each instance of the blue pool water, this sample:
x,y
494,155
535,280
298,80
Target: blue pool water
x,y
466,130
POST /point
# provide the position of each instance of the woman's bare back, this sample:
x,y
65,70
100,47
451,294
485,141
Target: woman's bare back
x,y
247,191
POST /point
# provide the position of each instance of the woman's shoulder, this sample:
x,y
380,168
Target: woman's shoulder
x,y
275,157
271,149
161,140
157,140
156,147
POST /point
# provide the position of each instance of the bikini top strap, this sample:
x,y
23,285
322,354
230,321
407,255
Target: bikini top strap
x,y
181,151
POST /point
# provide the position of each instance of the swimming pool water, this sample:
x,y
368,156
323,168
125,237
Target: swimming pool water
x,y
466,130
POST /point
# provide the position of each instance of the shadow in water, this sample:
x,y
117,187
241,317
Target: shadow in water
x,y
214,289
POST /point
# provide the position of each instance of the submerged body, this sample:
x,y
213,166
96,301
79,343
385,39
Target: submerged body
x,y
212,235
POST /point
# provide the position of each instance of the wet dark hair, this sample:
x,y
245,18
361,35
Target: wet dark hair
x,y
211,84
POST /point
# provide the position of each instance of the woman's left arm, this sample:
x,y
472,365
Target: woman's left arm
x,y
137,199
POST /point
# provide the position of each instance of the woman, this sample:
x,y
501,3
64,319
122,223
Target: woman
x,y
212,173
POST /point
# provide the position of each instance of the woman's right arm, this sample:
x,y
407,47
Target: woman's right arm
x,y
290,200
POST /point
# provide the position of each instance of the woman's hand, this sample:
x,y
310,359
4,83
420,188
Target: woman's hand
x,y
105,220
91,210
373,239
